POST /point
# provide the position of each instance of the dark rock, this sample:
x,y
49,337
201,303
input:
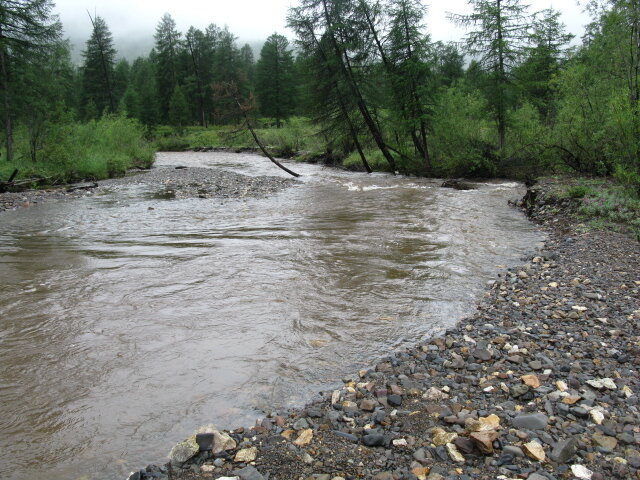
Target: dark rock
x,y
204,441
373,440
564,450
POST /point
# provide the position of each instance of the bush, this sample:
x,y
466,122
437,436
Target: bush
x,y
578,191
94,150
463,138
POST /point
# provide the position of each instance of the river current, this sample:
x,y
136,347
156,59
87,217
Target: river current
x,y
127,320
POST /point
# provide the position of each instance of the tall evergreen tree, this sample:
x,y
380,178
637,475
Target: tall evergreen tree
x,y
248,63
275,87
500,30
167,48
178,109
98,71
28,30
544,57
334,21
409,73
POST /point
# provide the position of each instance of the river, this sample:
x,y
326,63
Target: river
x,y
128,320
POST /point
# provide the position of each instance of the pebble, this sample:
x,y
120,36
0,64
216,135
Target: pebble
x,y
582,472
534,421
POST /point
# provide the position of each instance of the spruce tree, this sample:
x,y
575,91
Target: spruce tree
x,y
178,109
98,71
167,47
275,87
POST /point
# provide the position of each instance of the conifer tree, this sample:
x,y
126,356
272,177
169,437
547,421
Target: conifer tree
x,y
28,30
98,70
499,30
167,48
274,79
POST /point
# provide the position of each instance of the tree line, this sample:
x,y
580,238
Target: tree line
x,y
513,95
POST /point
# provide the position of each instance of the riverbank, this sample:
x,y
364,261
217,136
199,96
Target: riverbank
x,y
162,182
541,382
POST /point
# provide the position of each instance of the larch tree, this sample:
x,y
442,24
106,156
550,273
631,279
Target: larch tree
x,y
275,86
28,30
409,74
543,59
497,36
98,71
335,22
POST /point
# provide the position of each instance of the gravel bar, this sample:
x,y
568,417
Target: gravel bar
x,y
163,182
541,382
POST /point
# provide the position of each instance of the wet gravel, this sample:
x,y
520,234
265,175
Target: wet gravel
x,y
163,183
541,382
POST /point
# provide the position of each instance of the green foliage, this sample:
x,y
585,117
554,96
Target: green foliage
x,y
463,139
178,109
86,151
614,208
374,157
577,191
98,71
275,79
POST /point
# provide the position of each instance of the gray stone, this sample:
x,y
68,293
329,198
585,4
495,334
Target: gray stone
x,y
204,441
537,476
531,421
482,354
301,424
535,365
348,436
184,450
249,473
564,450
513,450
519,390
373,440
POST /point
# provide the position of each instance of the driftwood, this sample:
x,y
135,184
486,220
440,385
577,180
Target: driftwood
x,y
15,186
457,185
86,186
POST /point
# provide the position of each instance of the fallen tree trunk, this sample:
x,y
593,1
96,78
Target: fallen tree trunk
x,y
259,143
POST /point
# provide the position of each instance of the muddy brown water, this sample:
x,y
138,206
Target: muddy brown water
x,y
127,321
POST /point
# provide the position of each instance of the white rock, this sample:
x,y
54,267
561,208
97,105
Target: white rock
x,y
400,442
601,383
434,394
454,453
582,472
597,416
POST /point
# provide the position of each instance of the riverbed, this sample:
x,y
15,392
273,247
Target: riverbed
x,y
134,314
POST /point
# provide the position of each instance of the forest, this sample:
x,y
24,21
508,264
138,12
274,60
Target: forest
x,y
362,85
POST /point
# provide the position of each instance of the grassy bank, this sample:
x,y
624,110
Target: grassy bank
x,y
297,138
74,152
596,202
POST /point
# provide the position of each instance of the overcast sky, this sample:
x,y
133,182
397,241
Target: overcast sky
x,y
133,22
